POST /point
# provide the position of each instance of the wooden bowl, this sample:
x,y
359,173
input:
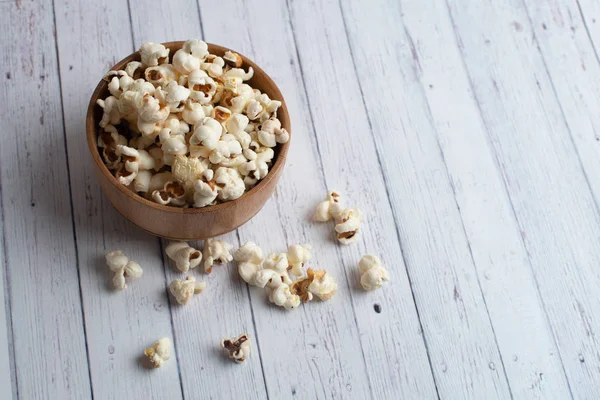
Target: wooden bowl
x,y
188,223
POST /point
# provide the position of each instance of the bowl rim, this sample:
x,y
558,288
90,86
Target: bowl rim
x,y
273,173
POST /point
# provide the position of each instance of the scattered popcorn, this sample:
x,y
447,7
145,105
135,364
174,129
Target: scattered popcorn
x,y
329,208
183,290
120,264
373,274
249,258
159,352
347,225
183,114
297,256
283,297
185,257
238,349
347,220
323,285
216,252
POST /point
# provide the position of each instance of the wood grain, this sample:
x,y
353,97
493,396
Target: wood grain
x,y
532,362
319,33
120,325
49,340
223,309
556,211
436,249
7,362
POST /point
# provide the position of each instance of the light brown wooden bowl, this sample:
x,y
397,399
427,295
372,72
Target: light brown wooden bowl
x,y
188,223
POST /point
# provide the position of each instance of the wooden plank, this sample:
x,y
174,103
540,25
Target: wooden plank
x,y
525,339
343,133
557,213
438,254
91,38
49,347
7,361
315,351
223,309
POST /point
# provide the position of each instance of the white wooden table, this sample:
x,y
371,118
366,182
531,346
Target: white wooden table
x,y
467,131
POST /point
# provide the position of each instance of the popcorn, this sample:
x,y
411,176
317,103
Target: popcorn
x,y
120,264
283,297
213,66
185,257
141,183
249,258
184,290
231,184
153,54
373,274
184,62
184,117
323,285
297,256
174,96
347,225
238,349
187,170
197,48
159,352
207,133
216,252
134,69
160,75
111,113
150,112
193,113
233,59
329,208
253,109
227,147
300,288
172,193
202,87
158,181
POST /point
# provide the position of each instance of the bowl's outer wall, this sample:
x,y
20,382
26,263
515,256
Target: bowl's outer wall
x,y
190,223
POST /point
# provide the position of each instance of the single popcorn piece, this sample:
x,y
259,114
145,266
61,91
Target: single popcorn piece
x,y
171,193
184,290
298,255
238,348
216,252
300,287
348,225
120,264
249,258
283,297
187,170
153,54
185,257
329,208
323,285
233,59
208,133
159,352
373,274
231,183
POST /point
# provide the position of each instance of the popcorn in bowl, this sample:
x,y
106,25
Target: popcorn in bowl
x,y
186,129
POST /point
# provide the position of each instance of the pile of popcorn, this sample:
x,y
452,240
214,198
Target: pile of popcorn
x,y
274,273
188,132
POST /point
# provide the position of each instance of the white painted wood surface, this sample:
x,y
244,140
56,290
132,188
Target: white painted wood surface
x,y
466,131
